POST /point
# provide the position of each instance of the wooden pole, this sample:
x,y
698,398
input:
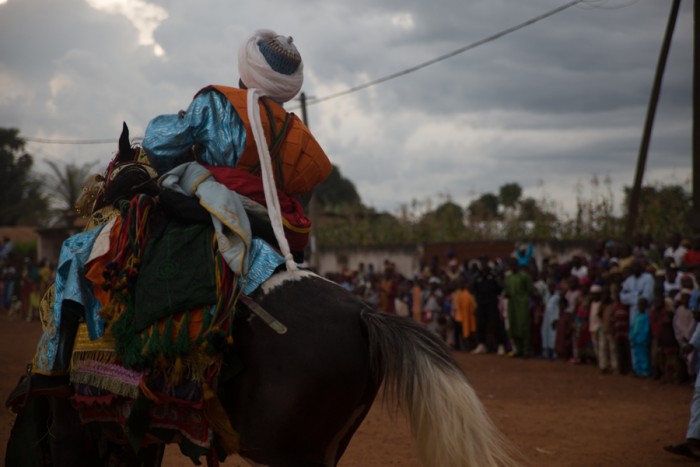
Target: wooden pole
x,y
313,205
651,112
694,219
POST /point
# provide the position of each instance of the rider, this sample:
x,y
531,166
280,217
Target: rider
x,y
218,126
216,132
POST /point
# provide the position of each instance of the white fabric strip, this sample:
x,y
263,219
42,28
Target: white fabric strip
x,y
268,177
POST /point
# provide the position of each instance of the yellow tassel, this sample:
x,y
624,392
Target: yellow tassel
x,y
176,374
220,423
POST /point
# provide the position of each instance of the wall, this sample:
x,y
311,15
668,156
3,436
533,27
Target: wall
x,y
408,258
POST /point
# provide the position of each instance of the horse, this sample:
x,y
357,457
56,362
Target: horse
x,y
300,395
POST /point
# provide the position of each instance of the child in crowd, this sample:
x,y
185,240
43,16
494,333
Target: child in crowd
x,y
582,337
657,315
607,348
594,317
537,316
563,327
640,339
684,325
621,327
549,321
670,363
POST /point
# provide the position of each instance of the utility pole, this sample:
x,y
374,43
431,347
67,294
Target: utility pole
x,y
651,112
694,219
313,205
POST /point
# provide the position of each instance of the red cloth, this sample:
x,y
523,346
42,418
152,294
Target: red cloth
x,y
656,318
691,258
296,225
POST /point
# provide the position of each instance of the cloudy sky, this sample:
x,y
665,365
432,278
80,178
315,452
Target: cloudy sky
x,y
549,106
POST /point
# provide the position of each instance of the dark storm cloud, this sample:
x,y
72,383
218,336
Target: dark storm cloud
x,y
558,100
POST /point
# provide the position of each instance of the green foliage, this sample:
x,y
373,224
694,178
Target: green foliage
x,y
25,249
663,209
485,208
509,194
336,191
64,185
21,199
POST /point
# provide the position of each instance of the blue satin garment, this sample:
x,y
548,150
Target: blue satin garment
x,y
71,284
210,121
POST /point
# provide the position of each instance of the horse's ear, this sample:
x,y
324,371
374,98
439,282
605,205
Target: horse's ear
x,y
124,144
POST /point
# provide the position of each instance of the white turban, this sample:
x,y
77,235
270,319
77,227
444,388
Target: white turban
x,y
271,63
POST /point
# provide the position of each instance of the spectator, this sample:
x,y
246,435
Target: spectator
x,y
6,249
523,254
578,267
675,249
691,258
684,325
640,339
672,280
607,348
537,305
639,284
518,290
489,325
691,446
582,335
657,315
417,300
673,369
9,277
621,329
549,321
463,312
594,317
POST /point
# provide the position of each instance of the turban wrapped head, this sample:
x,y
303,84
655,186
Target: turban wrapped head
x,y
271,63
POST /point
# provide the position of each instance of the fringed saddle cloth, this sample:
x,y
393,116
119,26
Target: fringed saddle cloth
x,y
169,301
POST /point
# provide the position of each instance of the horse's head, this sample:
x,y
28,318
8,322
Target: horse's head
x,y
127,174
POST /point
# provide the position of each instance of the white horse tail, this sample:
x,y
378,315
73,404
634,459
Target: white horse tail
x,y
451,426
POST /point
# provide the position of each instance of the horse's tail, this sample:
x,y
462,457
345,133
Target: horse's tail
x,y
448,421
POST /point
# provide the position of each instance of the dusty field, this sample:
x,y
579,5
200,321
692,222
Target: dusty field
x,y
556,415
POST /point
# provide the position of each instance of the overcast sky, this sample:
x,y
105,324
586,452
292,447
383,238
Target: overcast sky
x,y
548,106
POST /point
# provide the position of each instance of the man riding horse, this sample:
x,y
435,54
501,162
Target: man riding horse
x,y
210,151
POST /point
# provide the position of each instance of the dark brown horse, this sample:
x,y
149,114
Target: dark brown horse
x,y
302,395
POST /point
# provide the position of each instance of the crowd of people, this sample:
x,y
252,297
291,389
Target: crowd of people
x,y
22,282
627,308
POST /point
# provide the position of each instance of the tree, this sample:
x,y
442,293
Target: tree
x,y
509,194
663,209
65,185
484,208
21,200
336,191
446,223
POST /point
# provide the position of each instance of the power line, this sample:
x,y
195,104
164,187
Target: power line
x,y
312,100
31,139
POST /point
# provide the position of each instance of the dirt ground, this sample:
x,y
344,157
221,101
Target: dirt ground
x,y
555,414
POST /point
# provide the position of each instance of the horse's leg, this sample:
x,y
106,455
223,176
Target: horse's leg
x,y
28,444
70,444
301,395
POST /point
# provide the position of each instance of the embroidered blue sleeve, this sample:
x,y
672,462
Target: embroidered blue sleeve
x,y
210,121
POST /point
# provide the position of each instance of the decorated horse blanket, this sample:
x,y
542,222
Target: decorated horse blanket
x,y
170,302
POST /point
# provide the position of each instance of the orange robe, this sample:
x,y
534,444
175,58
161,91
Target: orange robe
x,y
464,307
